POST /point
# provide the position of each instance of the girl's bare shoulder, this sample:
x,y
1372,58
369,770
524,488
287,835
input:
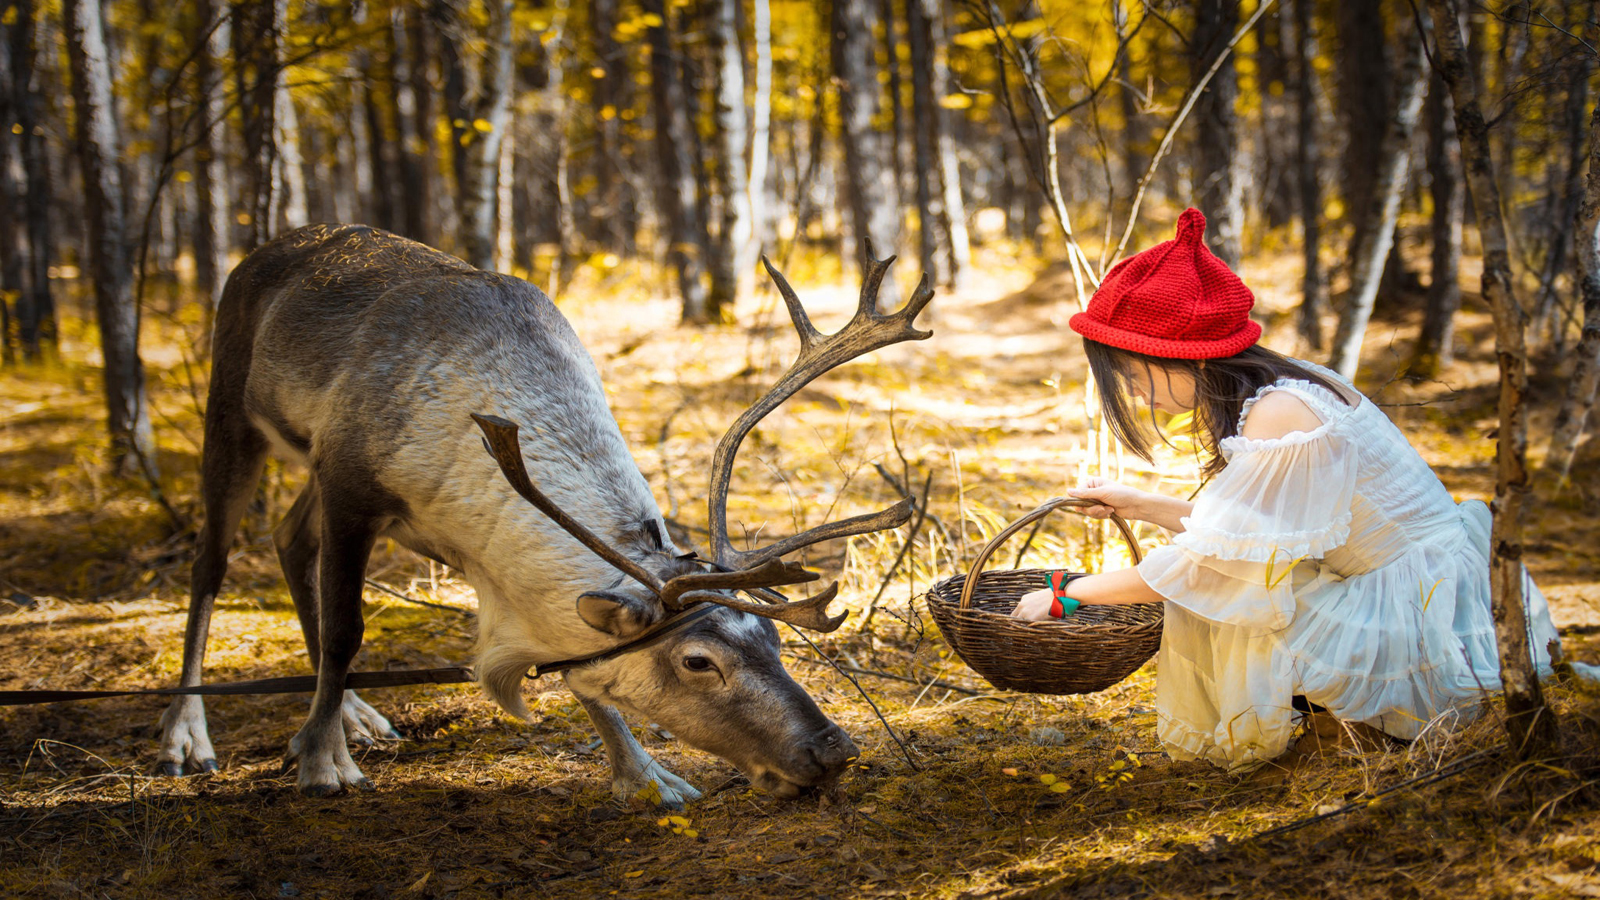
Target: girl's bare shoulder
x,y
1277,413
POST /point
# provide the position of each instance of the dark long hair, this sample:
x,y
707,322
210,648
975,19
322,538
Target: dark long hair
x,y
1222,386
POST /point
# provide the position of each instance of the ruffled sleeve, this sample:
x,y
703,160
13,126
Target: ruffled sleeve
x,y
1258,529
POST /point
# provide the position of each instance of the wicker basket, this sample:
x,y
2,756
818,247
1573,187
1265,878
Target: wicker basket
x,y
1090,650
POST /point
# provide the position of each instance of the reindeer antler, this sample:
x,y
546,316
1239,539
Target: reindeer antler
x,y
753,571
867,331
501,439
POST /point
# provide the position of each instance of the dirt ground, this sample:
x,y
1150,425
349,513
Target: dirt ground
x,y
976,793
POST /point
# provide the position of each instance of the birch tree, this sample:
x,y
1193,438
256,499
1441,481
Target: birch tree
x,y
942,232
212,222
1376,225
35,303
733,263
1530,724
871,193
1573,416
99,151
1218,160
1313,284
1449,195
676,183
490,116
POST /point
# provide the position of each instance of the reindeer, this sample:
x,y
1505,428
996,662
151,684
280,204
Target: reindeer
x,y
361,355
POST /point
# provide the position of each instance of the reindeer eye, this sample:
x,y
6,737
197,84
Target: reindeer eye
x,y
696,663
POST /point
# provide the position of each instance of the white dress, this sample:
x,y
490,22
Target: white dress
x,y
1331,564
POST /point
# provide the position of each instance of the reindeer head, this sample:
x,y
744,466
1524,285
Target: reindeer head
x,y
692,654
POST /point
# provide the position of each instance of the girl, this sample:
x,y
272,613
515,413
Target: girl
x,y
1322,567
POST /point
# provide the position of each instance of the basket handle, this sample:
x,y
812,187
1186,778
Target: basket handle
x,y
1040,512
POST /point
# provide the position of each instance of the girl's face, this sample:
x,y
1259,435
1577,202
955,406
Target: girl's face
x,y
1169,390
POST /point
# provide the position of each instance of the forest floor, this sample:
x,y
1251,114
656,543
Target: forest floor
x,y
995,794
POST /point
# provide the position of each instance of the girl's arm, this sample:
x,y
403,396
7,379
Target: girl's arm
x,y
1123,586
1132,503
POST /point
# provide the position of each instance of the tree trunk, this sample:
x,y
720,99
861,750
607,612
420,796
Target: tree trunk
x,y
412,97
943,239
1135,128
491,113
257,27
761,130
385,199
674,152
1363,100
1313,285
931,239
212,223
1573,416
733,263
13,233
869,183
1377,221
895,137
611,83
1435,343
1530,724
556,113
1276,183
35,307
1219,186
99,152
291,165
1547,320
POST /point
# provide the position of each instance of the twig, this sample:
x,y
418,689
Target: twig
x,y
380,586
1450,770
893,677
905,547
906,752
180,524
1172,130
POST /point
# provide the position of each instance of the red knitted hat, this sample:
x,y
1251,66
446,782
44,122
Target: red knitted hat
x,y
1175,300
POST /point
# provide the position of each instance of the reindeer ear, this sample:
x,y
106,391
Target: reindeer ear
x,y
618,614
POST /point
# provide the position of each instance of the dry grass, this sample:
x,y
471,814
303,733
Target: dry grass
x,y
473,804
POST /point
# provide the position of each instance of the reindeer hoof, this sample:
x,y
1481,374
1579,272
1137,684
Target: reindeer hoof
x,y
363,725
321,790
169,769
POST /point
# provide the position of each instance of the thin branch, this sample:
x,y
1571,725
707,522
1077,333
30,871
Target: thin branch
x,y
1172,130
905,751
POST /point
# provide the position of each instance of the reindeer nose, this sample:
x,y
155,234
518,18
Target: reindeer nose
x,y
831,751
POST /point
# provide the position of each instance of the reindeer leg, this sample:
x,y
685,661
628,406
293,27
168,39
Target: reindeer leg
x,y
297,540
635,773
319,748
235,455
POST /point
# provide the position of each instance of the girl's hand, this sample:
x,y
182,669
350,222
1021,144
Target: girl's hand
x,y
1034,606
1116,498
